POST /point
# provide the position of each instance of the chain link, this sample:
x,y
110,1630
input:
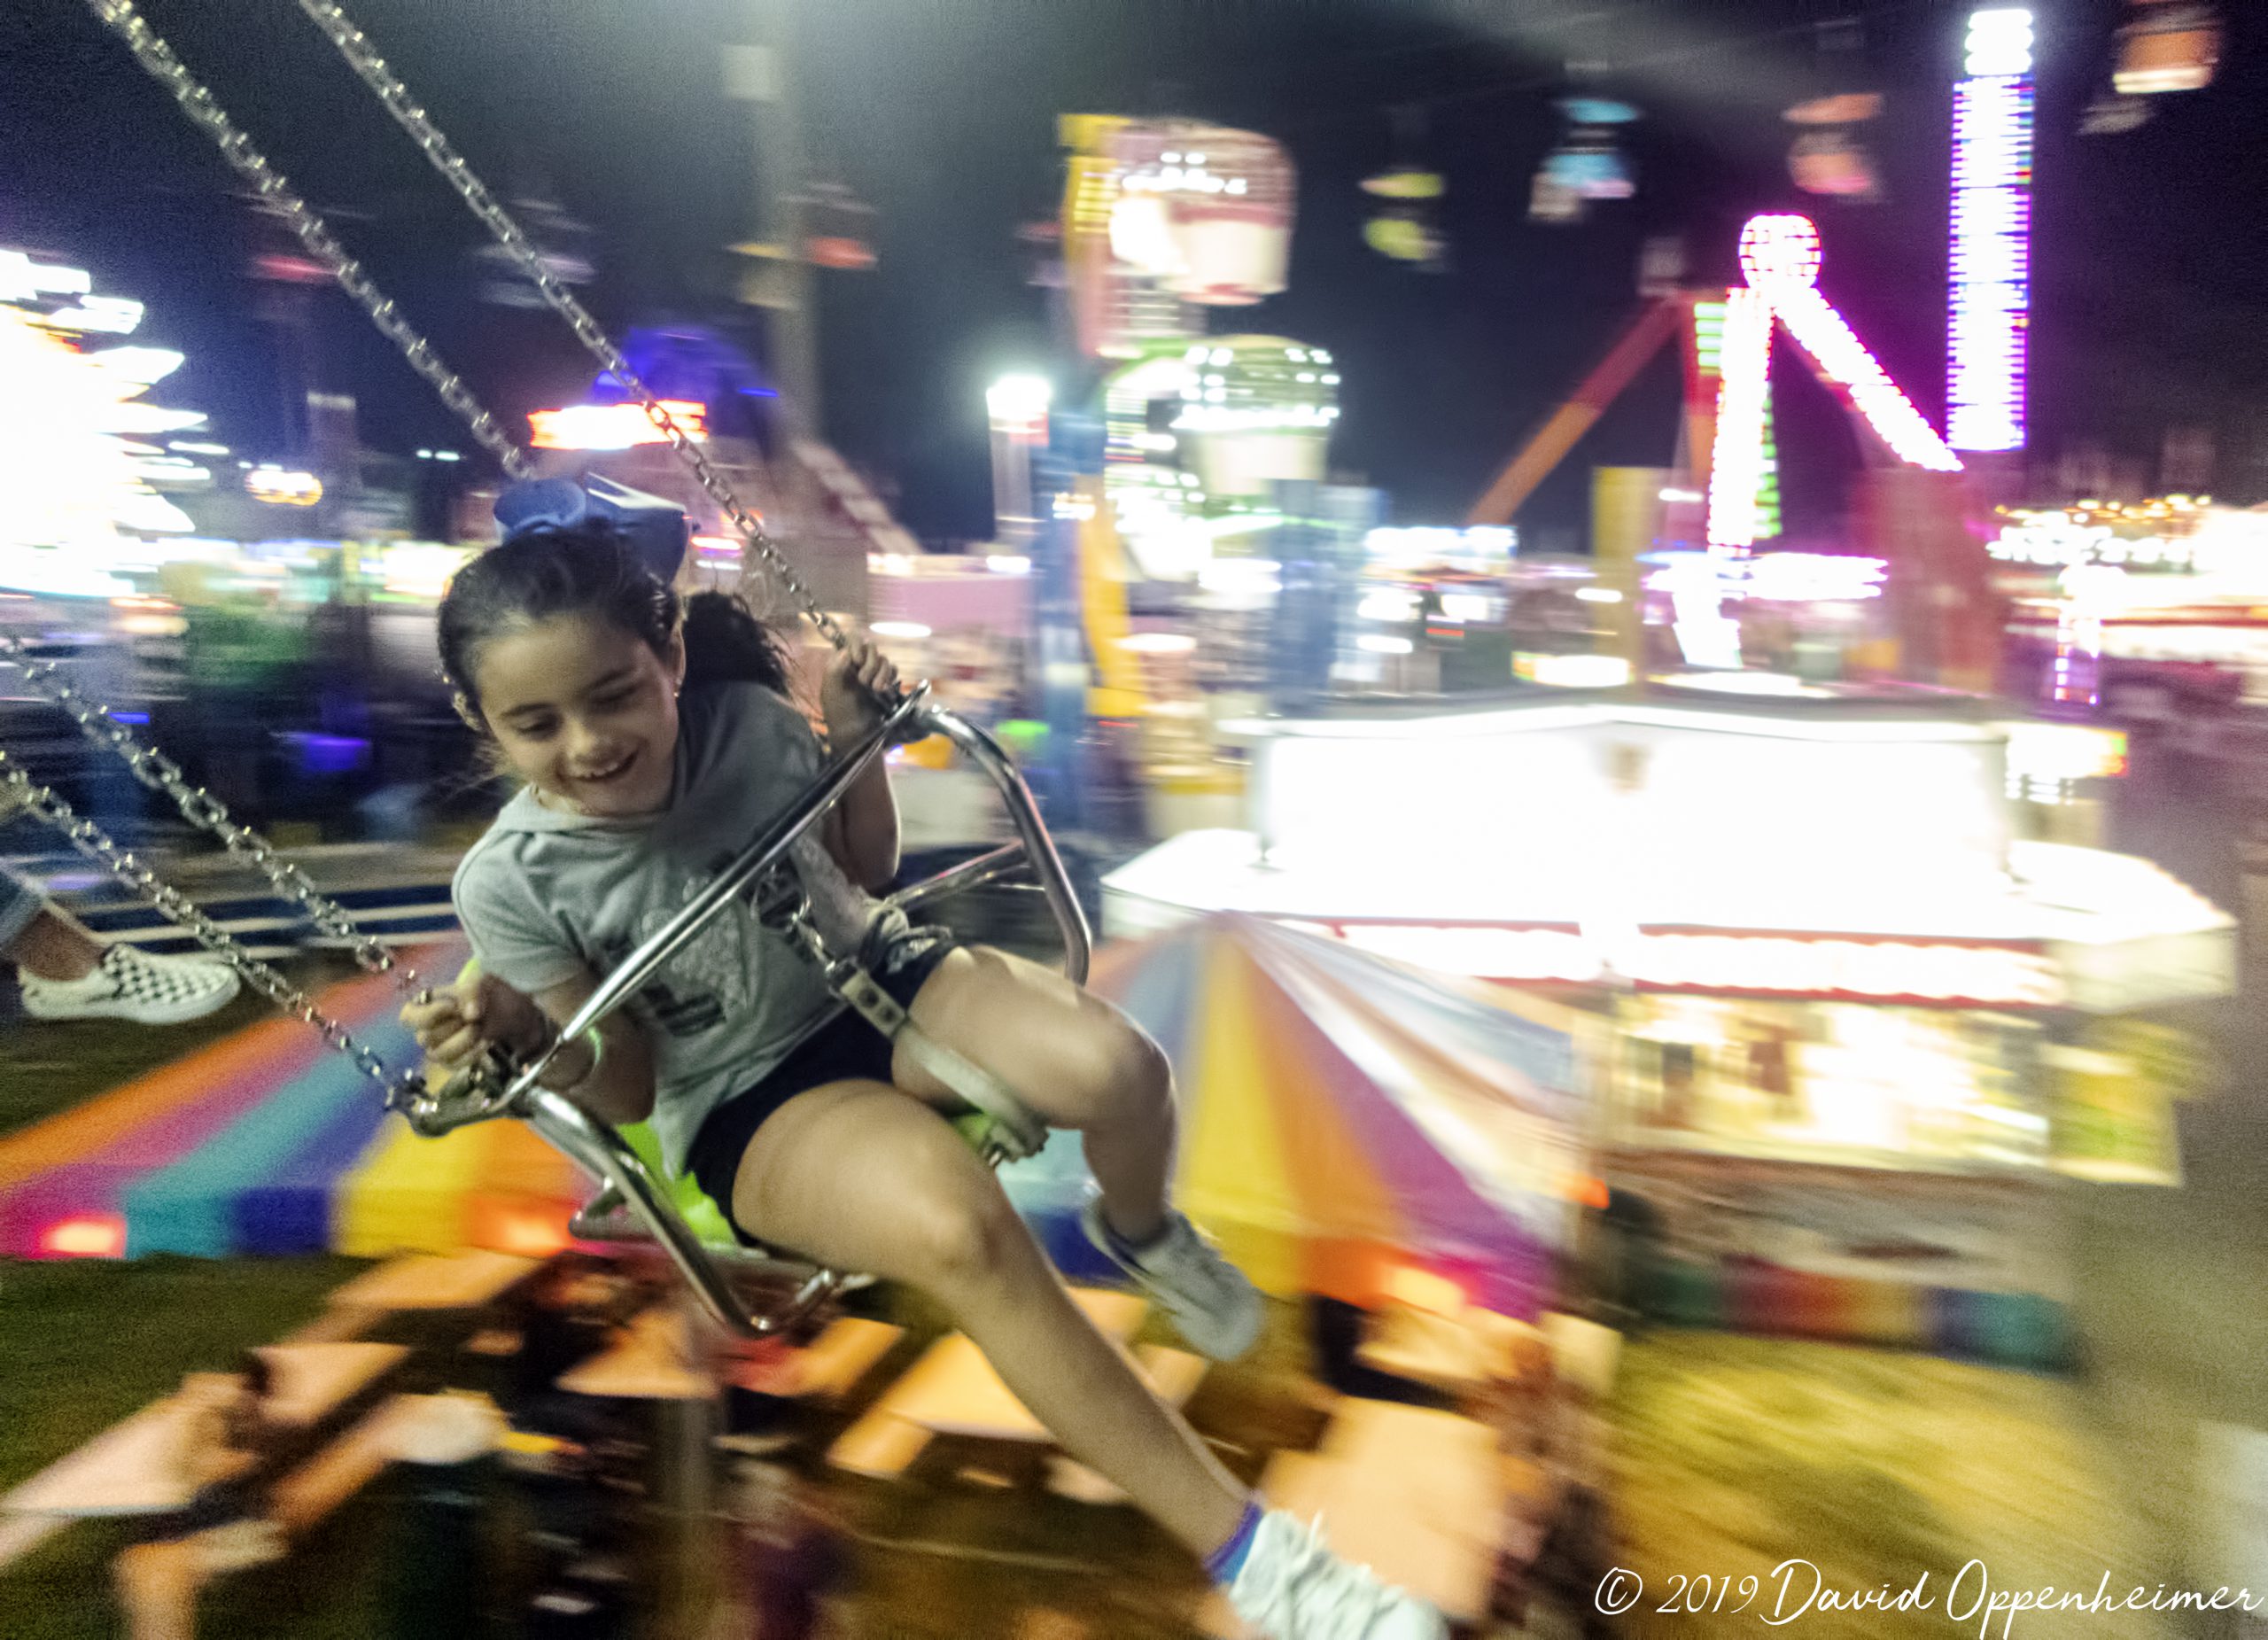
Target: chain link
x,y
372,69
201,809
152,52
44,803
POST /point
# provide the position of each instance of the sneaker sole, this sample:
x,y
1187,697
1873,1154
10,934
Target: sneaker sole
x,y
108,1007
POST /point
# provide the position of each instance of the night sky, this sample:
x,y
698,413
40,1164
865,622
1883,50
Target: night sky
x,y
2149,308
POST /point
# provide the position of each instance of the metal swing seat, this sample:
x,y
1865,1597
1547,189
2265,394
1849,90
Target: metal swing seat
x,y
762,875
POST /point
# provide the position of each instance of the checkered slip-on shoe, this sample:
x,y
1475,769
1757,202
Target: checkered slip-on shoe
x,y
134,985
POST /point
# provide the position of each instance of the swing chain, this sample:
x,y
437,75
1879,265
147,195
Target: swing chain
x,y
363,58
201,809
44,804
152,52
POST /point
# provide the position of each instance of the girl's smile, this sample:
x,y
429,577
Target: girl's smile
x,y
584,711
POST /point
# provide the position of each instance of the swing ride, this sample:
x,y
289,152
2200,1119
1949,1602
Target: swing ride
x,y
1001,1128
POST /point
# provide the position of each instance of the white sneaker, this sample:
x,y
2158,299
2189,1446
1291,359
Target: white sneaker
x,y
134,985
1209,1299
1292,1588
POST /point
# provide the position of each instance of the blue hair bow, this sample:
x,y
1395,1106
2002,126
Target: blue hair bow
x,y
656,529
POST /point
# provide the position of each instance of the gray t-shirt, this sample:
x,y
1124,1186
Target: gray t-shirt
x,y
546,897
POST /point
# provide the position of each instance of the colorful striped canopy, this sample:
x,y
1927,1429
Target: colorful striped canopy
x,y
267,1142
1343,1116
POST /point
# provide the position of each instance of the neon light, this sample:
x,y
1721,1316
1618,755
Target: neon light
x,y
86,1235
613,426
280,488
1781,256
1990,270
1768,481
1845,361
22,279
1743,393
1999,42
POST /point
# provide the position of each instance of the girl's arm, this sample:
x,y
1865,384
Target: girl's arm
x,y
613,1079
861,830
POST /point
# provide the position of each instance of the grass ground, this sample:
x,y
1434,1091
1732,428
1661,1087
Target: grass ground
x,y
1738,1455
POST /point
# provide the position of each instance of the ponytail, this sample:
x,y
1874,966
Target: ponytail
x,y
726,643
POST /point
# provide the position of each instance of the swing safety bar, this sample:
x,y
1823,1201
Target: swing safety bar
x,y
475,1095
994,866
1038,848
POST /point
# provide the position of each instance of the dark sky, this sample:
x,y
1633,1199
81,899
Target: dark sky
x,y
2150,307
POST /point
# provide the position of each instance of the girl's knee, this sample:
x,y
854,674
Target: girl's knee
x,y
1130,1077
964,1239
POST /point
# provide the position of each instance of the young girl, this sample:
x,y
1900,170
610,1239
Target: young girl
x,y
654,743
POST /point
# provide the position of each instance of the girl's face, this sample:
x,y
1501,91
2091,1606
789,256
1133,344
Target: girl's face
x,y
584,711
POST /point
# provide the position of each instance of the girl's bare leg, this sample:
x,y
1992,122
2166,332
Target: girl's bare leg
x,y
1073,1058
54,946
860,1176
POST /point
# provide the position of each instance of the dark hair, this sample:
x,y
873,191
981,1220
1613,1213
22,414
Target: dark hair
x,y
590,569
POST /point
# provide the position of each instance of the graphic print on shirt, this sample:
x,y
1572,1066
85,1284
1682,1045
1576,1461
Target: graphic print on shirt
x,y
710,979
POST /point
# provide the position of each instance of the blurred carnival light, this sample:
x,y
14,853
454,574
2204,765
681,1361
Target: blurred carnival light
x,y
1017,408
2169,45
838,228
1206,209
1402,228
1588,164
74,465
1828,158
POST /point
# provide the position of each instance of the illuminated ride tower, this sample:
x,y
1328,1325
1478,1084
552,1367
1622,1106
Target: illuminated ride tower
x,y
1990,275
1156,460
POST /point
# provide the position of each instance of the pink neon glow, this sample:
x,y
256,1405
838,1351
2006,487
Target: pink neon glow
x,y
1845,362
1781,256
1743,390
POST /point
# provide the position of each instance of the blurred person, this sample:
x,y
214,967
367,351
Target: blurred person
x,y
568,1314
655,738
787,1560
65,972
227,1428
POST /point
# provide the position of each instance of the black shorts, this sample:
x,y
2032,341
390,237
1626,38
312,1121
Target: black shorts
x,y
844,1049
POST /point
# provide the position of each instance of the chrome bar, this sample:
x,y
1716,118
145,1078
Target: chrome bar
x,y
1039,849
1004,861
602,1153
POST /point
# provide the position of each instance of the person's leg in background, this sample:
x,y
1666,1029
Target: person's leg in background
x,y
67,973
38,938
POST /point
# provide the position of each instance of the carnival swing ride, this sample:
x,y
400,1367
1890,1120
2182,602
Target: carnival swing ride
x,y
998,1127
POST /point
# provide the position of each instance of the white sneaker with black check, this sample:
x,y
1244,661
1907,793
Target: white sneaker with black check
x,y
1292,1588
135,985
1209,1299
